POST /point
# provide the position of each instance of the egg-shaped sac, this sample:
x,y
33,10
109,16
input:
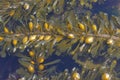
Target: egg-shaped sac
x,y
32,38
41,67
110,42
40,59
75,76
32,62
25,40
31,53
30,26
1,38
94,28
46,26
41,37
31,68
26,6
14,42
12,12
105,76
6,30
70,36
81,26
89,40
47,37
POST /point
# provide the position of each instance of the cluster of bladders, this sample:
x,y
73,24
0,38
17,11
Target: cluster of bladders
x,y
16,38
35,62
44,39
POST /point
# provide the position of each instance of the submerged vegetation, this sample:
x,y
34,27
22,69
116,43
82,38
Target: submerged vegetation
x,y
35,30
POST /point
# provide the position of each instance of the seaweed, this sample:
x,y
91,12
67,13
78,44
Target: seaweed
x,y
35,30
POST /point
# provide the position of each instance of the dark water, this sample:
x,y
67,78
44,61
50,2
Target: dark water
x,y
8,66
111,7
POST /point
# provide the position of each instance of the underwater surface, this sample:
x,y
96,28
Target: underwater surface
x,y
59,39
